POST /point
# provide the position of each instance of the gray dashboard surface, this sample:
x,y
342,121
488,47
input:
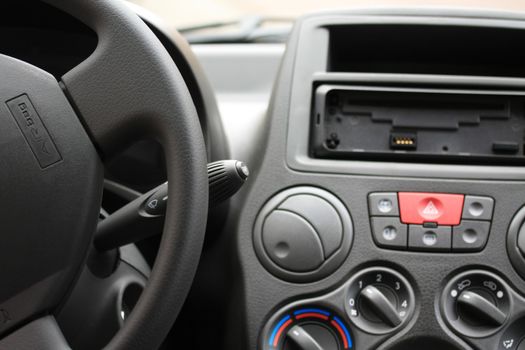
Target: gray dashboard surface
x,y
282,161
242,77
308,72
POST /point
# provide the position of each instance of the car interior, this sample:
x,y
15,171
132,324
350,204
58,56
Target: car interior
x,y
343,177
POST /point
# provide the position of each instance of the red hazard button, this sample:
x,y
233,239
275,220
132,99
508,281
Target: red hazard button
x,y
441,208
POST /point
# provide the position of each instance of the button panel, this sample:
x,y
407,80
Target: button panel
x,y
436,222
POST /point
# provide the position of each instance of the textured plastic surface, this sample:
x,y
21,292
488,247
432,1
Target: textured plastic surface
x,y
295,234
116,81
285,162
51,180
197,81
34,131
113,94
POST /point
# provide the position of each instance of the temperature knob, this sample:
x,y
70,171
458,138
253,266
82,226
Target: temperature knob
x,y
378,300
310,337
476,303
307,328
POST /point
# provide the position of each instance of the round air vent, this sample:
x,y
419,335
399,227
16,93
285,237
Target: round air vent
x,y
516,242
303,234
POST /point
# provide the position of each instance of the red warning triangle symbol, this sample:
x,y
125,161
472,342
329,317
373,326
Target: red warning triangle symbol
x,y
430,209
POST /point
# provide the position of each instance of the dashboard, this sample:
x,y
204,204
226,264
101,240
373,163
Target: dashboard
x,y
387,208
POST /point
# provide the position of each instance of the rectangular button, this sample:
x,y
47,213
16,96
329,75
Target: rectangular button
x,y
478,208
420,207
470,235
389,232
429,239
383,204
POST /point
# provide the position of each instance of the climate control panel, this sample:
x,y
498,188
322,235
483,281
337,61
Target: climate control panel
x,y
308,235
376,301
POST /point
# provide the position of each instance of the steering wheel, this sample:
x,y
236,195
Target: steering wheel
x,y
54,139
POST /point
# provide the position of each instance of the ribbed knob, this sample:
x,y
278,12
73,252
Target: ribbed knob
x,y
225,177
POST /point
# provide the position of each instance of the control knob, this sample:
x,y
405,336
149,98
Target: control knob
x,y
476,303
379,300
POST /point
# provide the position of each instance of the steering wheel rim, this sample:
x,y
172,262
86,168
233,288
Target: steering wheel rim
x,y
128,89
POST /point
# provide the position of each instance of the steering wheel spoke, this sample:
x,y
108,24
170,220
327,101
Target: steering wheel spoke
x,y
53,139
128,88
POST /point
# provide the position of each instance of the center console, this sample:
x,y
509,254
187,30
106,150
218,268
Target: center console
x,y
388,208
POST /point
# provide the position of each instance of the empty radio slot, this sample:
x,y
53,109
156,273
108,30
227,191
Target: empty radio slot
x,y
397,124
